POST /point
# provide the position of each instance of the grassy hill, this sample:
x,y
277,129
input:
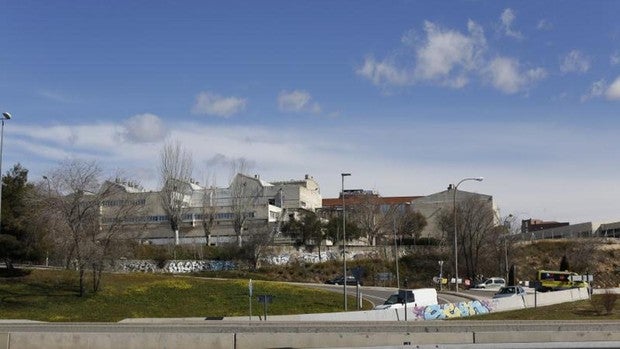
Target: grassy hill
x,y
51,295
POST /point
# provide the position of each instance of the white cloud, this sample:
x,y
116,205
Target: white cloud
x,y
507,18
544,24
208,103
144,128
575,62
613,92
297,101
448,55
384,73
506,75
322,152
596,90
614,59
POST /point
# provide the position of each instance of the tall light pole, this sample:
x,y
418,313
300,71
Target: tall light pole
x,y
440,275
456,251
344,243
507,227
49,196
5,116
396,255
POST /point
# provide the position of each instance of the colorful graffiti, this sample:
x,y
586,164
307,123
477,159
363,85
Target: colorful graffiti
x,y
175,267
452,310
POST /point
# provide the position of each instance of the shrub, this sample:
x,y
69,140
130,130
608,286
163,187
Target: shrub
x,y
604,303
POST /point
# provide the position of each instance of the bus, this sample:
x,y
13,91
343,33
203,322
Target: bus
x,y
549,280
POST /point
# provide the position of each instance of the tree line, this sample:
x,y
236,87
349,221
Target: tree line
x,y
61,218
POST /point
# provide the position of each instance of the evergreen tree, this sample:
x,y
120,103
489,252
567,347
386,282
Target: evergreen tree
x,y
17,238
564,263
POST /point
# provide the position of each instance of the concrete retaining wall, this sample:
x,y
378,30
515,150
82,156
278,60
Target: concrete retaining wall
x,y
79,340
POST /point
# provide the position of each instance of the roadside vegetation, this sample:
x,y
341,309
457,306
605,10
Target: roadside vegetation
x,y
51,295
600,307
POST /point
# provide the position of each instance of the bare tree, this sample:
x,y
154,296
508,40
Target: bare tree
x,y
122,204
210,209
244,194
257,243
86,217
409,223
77,208
475,222
175,170
372,217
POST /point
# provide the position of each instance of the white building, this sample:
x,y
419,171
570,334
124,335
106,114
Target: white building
x,y
208,215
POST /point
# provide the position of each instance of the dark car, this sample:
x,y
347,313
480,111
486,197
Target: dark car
x,y
351,280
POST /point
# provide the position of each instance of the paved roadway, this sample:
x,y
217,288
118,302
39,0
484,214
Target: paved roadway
x,y
378,295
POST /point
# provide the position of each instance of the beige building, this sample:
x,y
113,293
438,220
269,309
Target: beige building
x,y
259,201
429,206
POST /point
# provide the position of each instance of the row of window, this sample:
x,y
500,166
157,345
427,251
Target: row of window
x,y
164,218
121,202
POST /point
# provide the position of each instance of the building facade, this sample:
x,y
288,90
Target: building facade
x,y
208,215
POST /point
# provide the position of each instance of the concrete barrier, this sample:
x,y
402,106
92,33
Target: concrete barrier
x,y
78,340
334,340
545,337
245,335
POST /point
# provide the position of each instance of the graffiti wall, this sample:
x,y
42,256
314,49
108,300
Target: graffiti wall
x,y
175,267
452,310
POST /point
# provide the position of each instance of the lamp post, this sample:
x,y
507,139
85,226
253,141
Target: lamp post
x,y
507,226
344,243
396,255
440,275
5,116
49,196
456,251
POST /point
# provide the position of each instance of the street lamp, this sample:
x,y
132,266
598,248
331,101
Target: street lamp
x,y
440,275
456,251
49,195
344,243
396,255
507,227
5,116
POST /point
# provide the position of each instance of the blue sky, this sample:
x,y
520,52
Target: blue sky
x,y
408,96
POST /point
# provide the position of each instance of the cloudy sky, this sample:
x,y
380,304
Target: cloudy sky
x,y
407,96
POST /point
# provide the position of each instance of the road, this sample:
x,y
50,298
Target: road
x,y
378,295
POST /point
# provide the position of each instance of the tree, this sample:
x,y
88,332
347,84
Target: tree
x,y
88,216
304,229
18,239
475,223
210,209
372,216
175,170
564,263
260,237
77,207
409,223
333,229
244,194
118,208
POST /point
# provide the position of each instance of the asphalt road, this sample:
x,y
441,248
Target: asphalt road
x,y
378,295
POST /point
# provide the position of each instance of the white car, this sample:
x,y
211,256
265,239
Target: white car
x,y
510,291
492,283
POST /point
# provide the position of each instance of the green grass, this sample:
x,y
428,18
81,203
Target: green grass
x,y
579,310
52,296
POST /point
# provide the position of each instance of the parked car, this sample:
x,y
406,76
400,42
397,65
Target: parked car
x,y
351,280
510,291
492,283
